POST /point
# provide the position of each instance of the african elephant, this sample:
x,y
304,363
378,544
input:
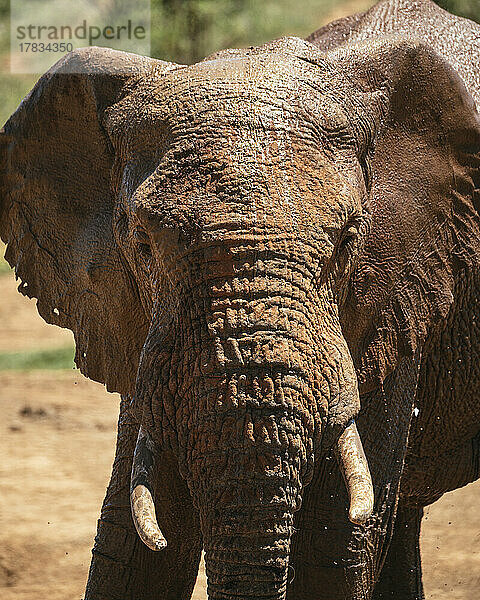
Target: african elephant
x,y
270,254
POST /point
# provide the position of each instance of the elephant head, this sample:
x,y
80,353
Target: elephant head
x,y
243,247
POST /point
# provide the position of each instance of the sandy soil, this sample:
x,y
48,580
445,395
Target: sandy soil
x,y
17,313
57,437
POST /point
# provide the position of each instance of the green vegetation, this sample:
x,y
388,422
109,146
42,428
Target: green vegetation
x,y
463,8
187,30
58,358
4,267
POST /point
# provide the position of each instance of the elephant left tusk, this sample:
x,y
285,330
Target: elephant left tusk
x,y
353,464
141,500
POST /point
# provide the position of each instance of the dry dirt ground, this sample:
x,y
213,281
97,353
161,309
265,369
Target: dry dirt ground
x,y
57,433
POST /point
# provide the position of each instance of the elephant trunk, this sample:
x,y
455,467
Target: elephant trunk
x,y
247,485
258,378
351,459
250,564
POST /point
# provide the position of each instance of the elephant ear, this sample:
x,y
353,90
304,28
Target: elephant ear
x,y
57,207
424,199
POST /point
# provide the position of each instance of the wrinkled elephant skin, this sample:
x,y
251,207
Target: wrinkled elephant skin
x,y
273,256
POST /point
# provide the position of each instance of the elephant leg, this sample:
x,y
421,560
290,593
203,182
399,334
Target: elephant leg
x,y
122,567
401,575
331,558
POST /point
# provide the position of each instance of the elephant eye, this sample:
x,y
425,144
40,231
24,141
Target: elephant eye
x,y
143,242
348,236
345,246
121,223
145,250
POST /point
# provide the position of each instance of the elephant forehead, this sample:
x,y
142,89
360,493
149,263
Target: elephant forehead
x,y
232,142
266,90
240,73
241,135
303,191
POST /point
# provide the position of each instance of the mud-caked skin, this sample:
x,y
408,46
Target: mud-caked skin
x,y
253,251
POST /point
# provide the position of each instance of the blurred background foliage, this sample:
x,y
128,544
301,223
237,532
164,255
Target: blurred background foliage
x,y
464,8
38,359
197,28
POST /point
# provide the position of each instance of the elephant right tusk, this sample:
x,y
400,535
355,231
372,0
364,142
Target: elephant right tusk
x,y
353,464
141,500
